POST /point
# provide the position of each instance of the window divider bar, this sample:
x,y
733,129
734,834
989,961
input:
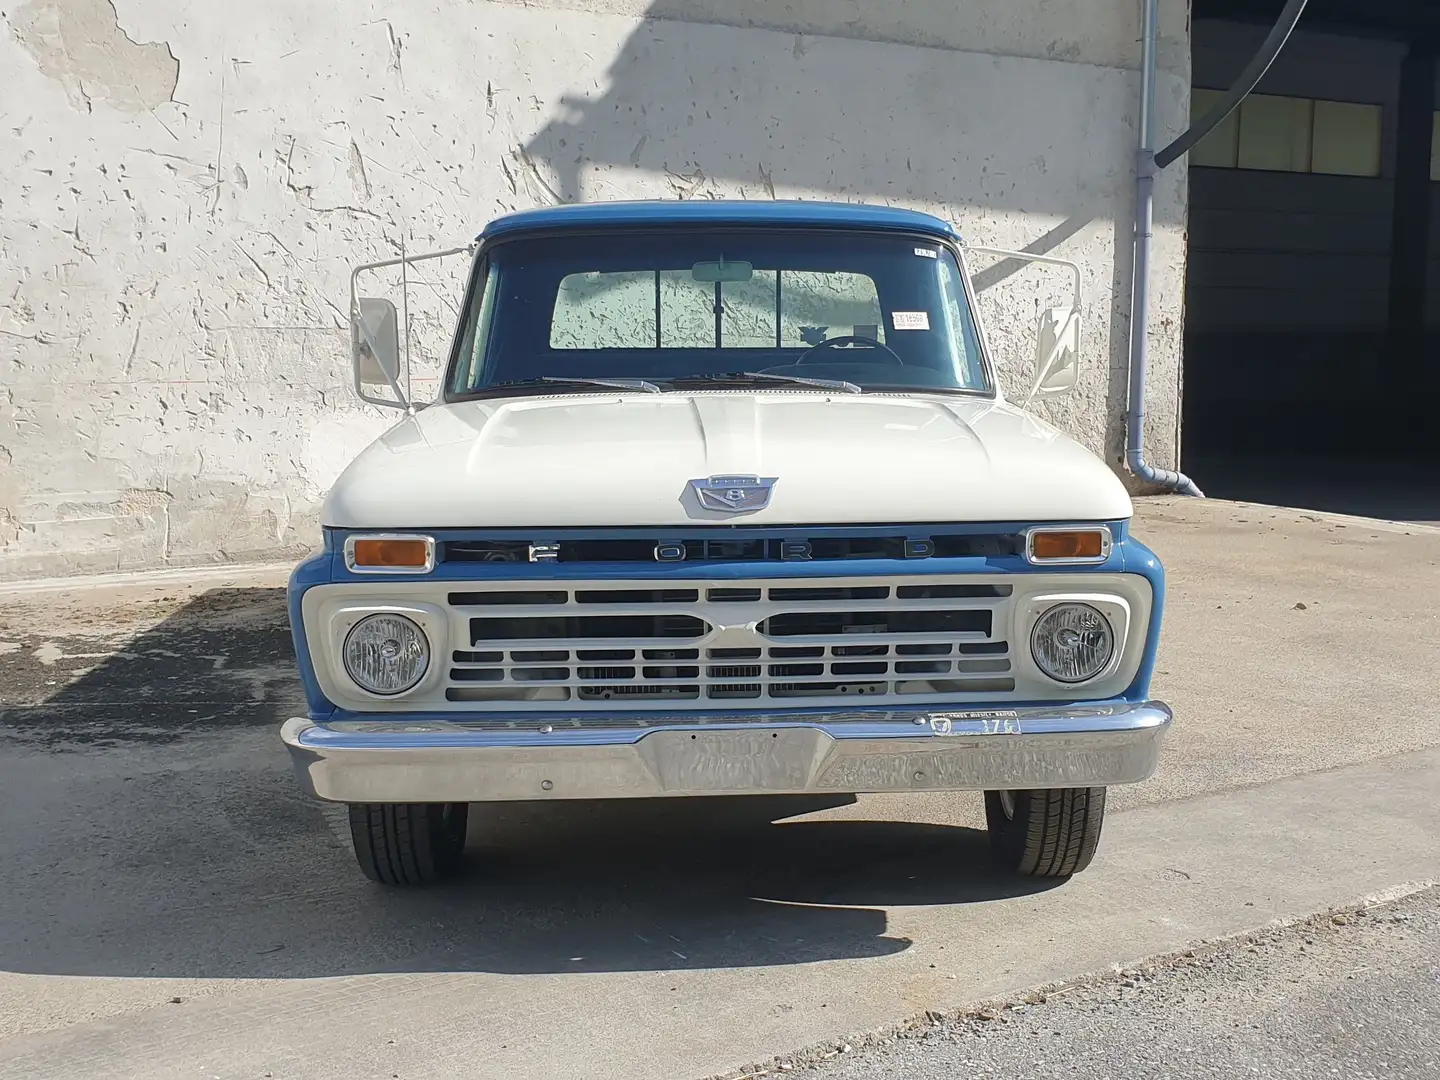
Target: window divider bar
x,y
777,308
719,309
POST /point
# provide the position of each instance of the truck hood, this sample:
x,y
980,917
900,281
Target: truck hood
x,y
600,459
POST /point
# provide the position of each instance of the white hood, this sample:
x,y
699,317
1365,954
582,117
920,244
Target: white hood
x,y
600,459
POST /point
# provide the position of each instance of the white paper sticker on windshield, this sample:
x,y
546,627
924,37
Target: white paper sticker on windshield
x,y
910,320
927,253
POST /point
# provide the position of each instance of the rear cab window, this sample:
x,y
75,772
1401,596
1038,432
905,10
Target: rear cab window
x,y
882,311
629,309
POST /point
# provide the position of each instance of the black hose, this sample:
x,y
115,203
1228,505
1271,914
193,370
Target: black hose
x,y
1251,76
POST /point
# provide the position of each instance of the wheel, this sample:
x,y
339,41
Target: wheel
x,y
408,843
1048,833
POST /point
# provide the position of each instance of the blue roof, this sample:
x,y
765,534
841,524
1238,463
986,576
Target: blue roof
x,y
701,212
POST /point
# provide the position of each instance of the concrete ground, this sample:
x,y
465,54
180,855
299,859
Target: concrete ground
x,y
174,908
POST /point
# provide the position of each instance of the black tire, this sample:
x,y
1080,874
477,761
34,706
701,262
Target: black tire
x,y
408,843
1047,833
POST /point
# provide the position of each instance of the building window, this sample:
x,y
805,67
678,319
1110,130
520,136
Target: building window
x,y
1220,148
1276,134
1347,139
1288,134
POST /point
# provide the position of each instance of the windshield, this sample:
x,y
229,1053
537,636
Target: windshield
x,y
718,306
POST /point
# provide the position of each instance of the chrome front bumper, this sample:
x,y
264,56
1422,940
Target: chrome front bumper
x,y
727,754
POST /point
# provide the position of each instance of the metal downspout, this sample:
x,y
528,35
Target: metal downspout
x,y
1140,296
1151,163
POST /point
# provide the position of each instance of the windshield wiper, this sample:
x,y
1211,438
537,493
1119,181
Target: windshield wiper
x,y
762,376
618,384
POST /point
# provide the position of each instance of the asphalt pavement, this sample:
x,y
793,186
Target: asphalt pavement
x,y
1353,994
173,907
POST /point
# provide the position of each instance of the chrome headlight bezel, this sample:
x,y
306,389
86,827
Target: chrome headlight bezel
x,y
418,645
1044,625
330,611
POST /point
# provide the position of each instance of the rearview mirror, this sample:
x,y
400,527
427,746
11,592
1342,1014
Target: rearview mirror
x,y
712,273
375,343
1057,353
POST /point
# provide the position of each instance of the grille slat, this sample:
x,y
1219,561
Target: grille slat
x,y
734,671
973,623
636,596
733,596
831,595
585,627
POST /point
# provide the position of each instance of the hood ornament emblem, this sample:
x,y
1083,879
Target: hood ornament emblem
x,y
733,494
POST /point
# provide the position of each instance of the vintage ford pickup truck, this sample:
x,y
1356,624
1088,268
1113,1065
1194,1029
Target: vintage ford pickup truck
x,y
721,498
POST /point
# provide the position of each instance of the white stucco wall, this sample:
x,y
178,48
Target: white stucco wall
x,y
186,185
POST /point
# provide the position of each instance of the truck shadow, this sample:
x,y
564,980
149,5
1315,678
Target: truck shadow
x,y
674,117
151,827
794,116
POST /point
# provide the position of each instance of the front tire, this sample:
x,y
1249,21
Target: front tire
x,y
1046,833
408,843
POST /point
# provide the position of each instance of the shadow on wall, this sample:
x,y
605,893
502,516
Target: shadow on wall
x,y
705,103
151,827
711,111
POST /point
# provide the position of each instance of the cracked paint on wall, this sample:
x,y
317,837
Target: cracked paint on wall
x,y
80,44
188,182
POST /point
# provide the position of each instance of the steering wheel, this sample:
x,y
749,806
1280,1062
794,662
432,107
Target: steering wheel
x,y
849,339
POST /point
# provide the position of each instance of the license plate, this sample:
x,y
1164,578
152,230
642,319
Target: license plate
x,y
719,762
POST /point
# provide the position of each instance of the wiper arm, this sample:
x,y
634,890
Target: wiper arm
x,y
619,384
803,380
762,376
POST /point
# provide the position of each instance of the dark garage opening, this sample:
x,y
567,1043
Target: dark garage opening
x,y
1312,332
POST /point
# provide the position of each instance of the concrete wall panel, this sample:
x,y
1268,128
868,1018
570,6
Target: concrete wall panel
x,y
187,185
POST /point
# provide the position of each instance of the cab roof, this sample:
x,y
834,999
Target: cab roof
x,y
706,212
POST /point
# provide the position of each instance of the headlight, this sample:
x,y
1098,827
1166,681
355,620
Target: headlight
x,y
386,654
1072,642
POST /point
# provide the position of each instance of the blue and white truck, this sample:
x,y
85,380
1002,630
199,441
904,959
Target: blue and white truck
x,y
722,498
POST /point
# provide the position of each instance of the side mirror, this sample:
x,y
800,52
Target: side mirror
x,y
375,332
1057,344
375,342
1057,353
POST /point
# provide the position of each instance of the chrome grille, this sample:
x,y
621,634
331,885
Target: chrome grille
x,y
639,645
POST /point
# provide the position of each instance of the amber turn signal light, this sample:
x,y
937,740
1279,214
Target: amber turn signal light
x,y
1079,544
392,553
